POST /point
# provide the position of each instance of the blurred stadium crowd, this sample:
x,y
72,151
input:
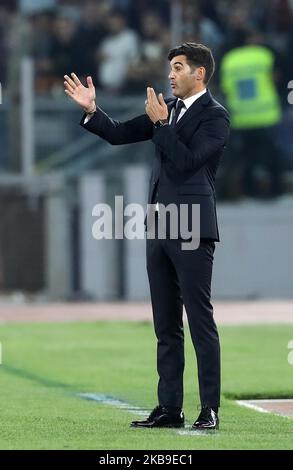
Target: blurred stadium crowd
x,y
123,44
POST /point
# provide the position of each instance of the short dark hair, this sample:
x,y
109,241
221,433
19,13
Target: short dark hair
x,y
197,55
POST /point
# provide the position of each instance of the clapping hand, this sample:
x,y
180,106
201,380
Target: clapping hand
x,y
84,96
155,108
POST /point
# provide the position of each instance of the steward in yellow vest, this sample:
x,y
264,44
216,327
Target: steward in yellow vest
x,y
247,80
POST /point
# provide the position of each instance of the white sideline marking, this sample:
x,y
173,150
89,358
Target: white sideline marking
x,y
137,410
112,401
247,404
252,405
272,400
190,432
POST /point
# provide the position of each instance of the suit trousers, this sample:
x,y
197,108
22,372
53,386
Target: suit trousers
x,y
178,277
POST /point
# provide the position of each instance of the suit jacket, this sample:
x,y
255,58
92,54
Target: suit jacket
x,y
186,157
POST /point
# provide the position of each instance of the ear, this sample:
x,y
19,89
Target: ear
x,y
200,73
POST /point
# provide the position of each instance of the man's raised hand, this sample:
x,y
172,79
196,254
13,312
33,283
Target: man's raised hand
x,y
156,108
84,96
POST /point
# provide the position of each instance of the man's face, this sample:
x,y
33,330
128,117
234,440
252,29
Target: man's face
x,y
185,80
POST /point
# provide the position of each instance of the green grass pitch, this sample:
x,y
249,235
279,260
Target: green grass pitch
x,y
45,366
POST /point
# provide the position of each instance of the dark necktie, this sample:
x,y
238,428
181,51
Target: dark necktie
x,y
180,105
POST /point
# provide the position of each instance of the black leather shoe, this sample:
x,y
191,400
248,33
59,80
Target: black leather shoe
x,y
208,419
161,417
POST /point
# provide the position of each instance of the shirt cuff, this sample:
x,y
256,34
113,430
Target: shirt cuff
x,y
88,118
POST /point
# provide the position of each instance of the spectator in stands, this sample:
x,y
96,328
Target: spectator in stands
x,y
41,25
153,46
204,29
6,18
91,32
237,24
55,45
65,51
3,45
117,52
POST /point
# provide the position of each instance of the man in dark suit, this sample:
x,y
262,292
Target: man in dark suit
x,y
190,133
